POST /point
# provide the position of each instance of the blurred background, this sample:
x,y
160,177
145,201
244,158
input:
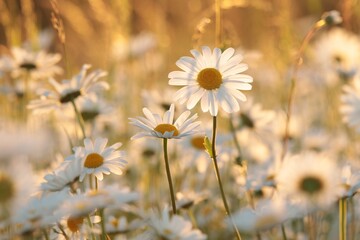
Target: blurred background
x,y
108,33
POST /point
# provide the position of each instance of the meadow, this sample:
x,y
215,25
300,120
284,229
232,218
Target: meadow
x,y
179,120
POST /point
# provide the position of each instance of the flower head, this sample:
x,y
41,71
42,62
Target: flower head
x,y
39,65
175,227
214,77
69,90
350,108
310,179
98,159
155,126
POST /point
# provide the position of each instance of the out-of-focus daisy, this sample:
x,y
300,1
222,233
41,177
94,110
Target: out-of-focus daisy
x,y
64,175
39,211
119,225
97,159
91,106
17,140
15,191
338,53
39,65
253,117
214,77
160,101
69,90
165,127
350,108
136,47
267,214
310,179
174,227
187,199
350,180
197,156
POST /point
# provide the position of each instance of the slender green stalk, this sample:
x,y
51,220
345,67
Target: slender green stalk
x,y
91,226
168,174
342,219
46,235
237,144
103,230
217,173
96,183
63,231
79,118
283,232
296,66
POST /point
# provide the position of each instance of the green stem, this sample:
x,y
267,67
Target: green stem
x,y
237,144
103,230
283,232
168,174
79,118
296,66
63,231
217,173
46,235
342,219
91,226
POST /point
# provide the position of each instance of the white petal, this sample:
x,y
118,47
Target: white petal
x,y
194,98
226,55
169,115
205,102
227,102
149,115
239,77
213,106
182,118
237,85
207,56
100,144
235,70
89,147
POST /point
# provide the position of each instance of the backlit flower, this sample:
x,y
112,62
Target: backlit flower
x,y
69,90
310,179
214,78
165,127
98,159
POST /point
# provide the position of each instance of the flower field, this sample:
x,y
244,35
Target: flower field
x,y
179,120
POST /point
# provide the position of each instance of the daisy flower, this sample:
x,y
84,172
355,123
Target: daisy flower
x,y
310,179
64,176
214,77
175,227
69,90
267,214
98,159
337,52
40,65
350,108
155,126
39,211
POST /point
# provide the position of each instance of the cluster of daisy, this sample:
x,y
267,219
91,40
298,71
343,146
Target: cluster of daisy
x,y
63,175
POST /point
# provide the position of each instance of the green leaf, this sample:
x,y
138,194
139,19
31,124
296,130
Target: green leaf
x,y
208,146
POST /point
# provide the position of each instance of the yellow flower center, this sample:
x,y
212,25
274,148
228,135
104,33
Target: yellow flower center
x,y
93,160
114,222
209,78
165,127
198,143
7,188
74,223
